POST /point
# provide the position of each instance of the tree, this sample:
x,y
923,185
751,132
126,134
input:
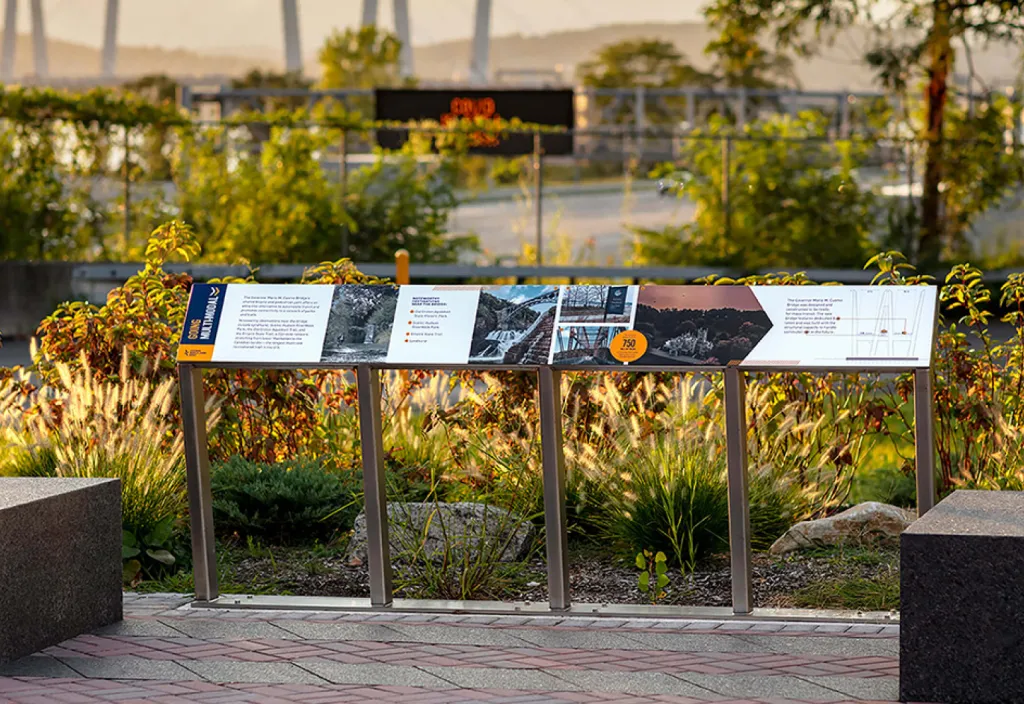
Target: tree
x,y
279,206
363,58
152,155
739,59
269,79
37,216
786,189
155,87
648,63
930,29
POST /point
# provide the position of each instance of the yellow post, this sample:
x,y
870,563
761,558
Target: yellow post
x,y
402,278
401,267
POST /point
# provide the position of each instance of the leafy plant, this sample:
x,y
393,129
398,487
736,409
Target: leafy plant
x,y
653,574
283,504
152,555
268,414
785,186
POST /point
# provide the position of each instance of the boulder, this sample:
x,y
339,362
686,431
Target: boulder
x,y
428,529
866,524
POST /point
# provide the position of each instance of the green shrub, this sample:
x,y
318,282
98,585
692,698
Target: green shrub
x,y
39,462
673,497
674,500
283,504
889,485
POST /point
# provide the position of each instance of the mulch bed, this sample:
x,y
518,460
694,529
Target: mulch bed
x,y
594,578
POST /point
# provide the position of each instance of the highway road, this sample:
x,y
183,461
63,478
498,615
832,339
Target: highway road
x,y
599,217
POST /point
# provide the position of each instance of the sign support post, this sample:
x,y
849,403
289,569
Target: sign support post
x,y
197,471
378,548
550,390
924,440
739,507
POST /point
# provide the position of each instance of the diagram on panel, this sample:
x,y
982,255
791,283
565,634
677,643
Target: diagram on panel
x,y
886,322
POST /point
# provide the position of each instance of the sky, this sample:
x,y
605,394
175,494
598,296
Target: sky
x,y
224,26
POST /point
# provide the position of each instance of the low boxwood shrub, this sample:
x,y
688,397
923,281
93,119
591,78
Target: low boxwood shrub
x,y
287,503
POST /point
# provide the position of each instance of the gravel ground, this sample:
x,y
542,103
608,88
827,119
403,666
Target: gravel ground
x,y
593,578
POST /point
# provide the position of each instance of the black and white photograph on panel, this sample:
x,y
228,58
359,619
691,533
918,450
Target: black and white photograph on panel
x,y
585,344
513,325
597,304
359,326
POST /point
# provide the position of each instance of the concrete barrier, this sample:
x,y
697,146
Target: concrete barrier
x,y
29,291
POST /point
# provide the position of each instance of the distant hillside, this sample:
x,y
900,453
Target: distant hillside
x,y
70,60
838,67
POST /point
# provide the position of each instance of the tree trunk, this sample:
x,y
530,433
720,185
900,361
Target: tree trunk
x,y
940,57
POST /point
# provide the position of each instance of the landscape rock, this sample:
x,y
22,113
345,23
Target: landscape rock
x,y
428,529
867,524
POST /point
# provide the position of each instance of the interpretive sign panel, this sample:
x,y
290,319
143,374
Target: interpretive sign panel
x,y
552,108
795,327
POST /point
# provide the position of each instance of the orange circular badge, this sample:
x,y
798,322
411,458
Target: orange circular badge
x,y
628,346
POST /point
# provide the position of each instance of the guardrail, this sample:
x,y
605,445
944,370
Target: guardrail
x,y
117,273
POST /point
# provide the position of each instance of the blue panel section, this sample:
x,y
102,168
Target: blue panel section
x,y
202,318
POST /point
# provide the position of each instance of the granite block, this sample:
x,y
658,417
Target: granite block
x,y
962,601
60,560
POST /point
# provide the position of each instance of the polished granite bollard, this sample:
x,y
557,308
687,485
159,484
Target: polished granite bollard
x,y
962,601
60,560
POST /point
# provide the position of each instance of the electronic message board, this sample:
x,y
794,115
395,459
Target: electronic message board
x,y
553,108
791,327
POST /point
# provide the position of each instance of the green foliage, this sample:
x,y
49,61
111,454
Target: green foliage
x,y
286,503
400,203
360,58
98,107
881,592
671,495
785,187
981,170
887,485
740,58
155,554
653,574
280,207
268,415
37,206
651,63
911,40
276,206
270,79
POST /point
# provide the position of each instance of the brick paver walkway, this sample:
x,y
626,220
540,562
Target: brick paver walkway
x,y
166,651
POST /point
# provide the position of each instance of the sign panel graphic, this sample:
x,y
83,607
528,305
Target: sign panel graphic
x,y
554,108
793,327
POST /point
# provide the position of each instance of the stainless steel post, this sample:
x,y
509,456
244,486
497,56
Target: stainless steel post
x,y
197,473
924,440
378,549
739,507
554,487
